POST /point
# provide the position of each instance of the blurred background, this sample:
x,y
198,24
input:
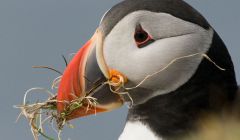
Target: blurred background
x,y
38,32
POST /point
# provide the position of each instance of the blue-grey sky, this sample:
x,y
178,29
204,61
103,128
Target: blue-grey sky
x,y
38,32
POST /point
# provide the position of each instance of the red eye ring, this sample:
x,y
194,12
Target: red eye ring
x,y
142,38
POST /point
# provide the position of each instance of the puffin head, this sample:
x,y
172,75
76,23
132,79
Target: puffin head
x,y
137,40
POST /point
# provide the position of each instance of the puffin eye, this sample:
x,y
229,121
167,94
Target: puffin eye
x,y
142,38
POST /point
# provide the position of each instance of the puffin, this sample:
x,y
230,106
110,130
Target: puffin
x,y
169,62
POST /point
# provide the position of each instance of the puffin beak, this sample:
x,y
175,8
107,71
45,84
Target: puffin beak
x,y
83,90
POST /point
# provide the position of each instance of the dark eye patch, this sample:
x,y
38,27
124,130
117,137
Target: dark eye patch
x,y
142,38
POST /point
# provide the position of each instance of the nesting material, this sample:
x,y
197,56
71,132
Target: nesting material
x,y
39,114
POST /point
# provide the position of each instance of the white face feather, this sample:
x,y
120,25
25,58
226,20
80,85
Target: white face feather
x,y
121,52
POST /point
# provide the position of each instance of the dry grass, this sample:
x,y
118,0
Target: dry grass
x,y
40,113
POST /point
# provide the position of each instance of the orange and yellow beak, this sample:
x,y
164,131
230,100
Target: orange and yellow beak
x,y
84,75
